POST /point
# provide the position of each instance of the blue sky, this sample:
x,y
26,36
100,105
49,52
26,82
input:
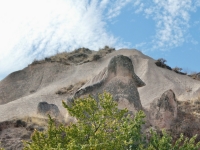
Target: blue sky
x,y
34,29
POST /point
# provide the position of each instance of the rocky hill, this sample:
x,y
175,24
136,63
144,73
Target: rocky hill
x,y
170,99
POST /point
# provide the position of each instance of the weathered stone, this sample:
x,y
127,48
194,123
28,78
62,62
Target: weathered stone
x,y
198,76
120,80
44,109
163,110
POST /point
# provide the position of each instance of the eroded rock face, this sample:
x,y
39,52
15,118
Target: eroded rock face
x,y
13,132
44,109
163,110
120,80
197,76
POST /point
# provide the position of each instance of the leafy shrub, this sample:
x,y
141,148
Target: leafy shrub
x,y
106,50
177,69
165,142
161,63
96,57
102,126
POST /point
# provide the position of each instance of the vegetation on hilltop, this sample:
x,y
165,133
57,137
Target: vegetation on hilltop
x,y
78,56
161,62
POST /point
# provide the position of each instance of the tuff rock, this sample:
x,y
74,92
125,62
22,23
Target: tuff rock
x,y
48,109
120,80
163,110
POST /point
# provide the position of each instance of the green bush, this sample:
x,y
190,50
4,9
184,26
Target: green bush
x,y
102,126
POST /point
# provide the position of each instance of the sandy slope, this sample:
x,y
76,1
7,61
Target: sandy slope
x,y
21,92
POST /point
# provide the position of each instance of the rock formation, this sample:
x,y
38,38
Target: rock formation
x,y
120,80
12,132
48,109
163,110
82,72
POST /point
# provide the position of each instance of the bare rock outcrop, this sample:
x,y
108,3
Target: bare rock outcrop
x,y
44,109
60,77
195,76
163,110
120,80
198,76
13,132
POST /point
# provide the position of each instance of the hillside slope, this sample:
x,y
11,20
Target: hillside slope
x,y
22,91
170,100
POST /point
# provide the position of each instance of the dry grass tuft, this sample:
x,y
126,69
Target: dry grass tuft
x,y
71,89
77,57
188,120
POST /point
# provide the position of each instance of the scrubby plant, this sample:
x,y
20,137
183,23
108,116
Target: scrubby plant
x,y
161,62
107,49
96,57
102,126
165,142
177,69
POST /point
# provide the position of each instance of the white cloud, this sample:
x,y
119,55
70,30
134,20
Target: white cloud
x,y
194,42
136,3
196,23
171,18
37,28
115,8
140,9
141,45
